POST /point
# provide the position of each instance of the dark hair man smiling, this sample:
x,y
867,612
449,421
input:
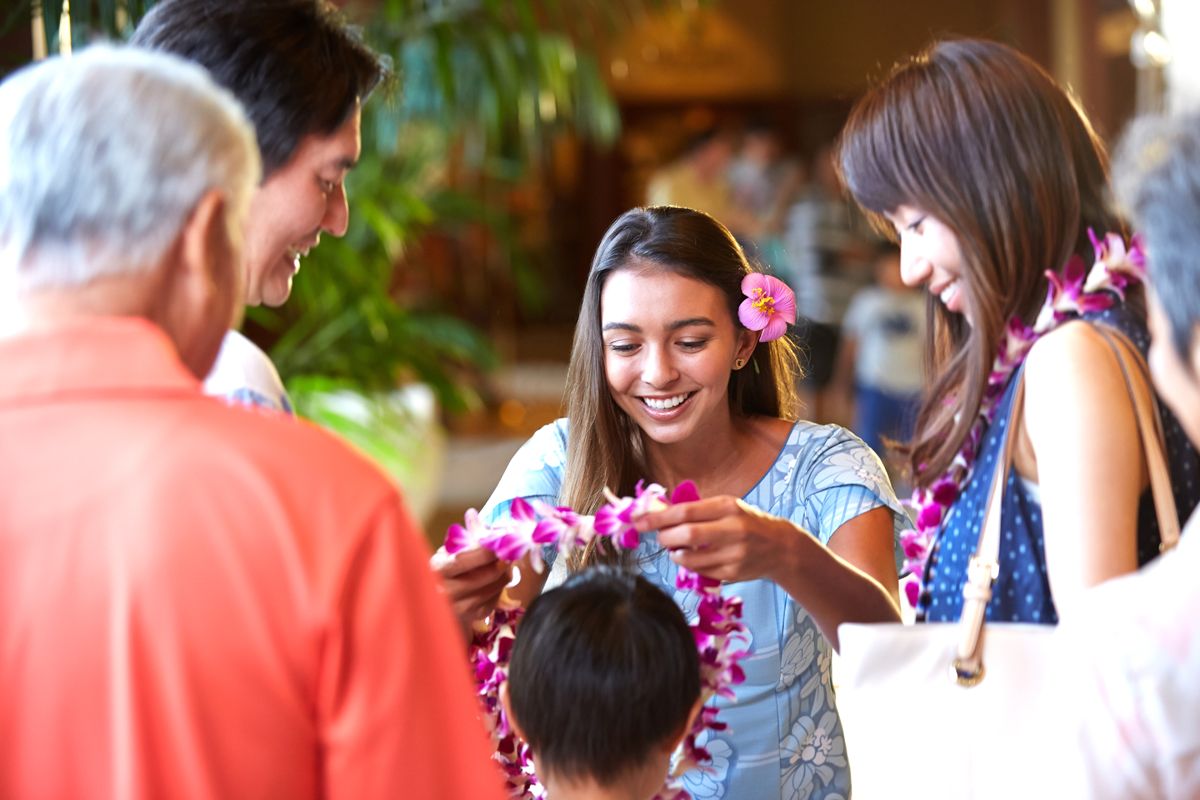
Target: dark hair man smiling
x,y
302,75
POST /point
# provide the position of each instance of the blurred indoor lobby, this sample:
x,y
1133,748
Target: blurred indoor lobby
x,y
436,333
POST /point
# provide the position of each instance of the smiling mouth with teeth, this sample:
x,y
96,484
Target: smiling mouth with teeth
x,y
665,403
294,255
949,293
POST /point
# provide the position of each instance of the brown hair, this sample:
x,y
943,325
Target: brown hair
x,y
980,137
604,446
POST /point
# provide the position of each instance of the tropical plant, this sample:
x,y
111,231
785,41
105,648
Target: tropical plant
x,y
481,89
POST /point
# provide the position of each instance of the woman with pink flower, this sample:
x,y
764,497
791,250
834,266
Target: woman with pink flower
x,y
995,186
680,371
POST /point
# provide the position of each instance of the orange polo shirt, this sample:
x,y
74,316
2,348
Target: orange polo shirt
x,y
200,601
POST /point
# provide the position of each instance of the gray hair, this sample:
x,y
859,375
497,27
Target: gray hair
x,y
1156,178
103,156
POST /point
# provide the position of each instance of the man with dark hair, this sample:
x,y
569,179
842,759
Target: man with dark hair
x,y
603,684
302,76
1132,651
194,601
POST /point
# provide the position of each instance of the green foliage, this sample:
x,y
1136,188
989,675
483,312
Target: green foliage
x,y
372,423
484,87
380,424
345,320
480,85
90,19
490,73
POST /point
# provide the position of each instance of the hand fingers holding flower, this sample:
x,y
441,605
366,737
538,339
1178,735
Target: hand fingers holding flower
x,y
721,537
473,579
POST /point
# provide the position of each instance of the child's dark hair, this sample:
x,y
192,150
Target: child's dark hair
x,y
604,670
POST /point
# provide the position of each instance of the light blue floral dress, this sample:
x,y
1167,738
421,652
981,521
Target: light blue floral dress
x,y
784,738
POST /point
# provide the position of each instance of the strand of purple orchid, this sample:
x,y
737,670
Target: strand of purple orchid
x,y
1077,291
534,525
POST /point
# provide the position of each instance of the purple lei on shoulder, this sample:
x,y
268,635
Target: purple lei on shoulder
x,y
1075,292
533,525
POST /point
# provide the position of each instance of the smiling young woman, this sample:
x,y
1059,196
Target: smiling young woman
x,y
665,384
666,359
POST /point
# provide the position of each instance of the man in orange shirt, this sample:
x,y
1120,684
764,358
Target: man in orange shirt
x,y
195,600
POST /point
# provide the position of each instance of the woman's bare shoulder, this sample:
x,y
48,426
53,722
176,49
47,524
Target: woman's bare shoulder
x,y
1072,377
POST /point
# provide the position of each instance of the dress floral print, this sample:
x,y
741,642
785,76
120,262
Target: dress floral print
x,y
784,738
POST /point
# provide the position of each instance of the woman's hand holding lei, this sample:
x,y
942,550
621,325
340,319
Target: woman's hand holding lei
x,y
534,525
721,537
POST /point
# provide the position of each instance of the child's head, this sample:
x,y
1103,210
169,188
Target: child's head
x,y
604,680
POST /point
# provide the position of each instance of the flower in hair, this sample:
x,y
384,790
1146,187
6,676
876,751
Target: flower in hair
x,y
769,306
717,628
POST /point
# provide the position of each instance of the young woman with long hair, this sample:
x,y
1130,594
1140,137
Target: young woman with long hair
x,y
665,385
991,179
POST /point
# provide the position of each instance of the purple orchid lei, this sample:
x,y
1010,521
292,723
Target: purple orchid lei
x,y
536,524
1077,291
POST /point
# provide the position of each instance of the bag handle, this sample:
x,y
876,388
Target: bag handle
x,y
984,565
1150,427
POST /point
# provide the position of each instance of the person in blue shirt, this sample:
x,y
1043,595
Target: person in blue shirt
x,y
799,519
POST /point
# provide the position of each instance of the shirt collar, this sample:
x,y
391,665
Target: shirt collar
x,y
95,355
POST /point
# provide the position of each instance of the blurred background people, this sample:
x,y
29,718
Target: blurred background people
x,y
880,367
764,180
829,246
700,179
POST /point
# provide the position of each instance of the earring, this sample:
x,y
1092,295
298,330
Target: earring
x,y
739,363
